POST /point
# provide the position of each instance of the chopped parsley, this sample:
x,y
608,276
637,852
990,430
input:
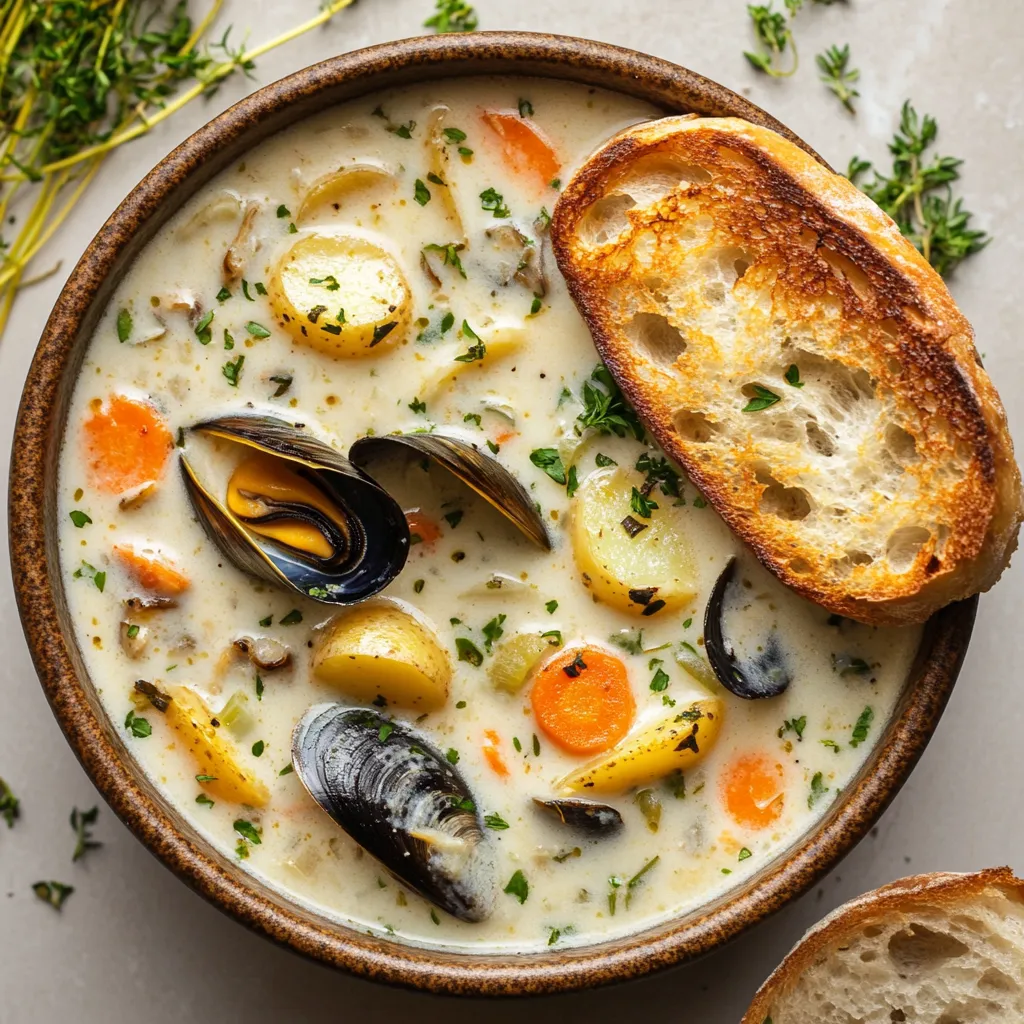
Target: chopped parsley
x,y
792,376
420,192
525,108
642,505
551,606
79,518
818,789
417,406
454,518
796,725
454,135
863,726
476,351
452,756
283,382
550,461
605,409
449,255
494,202
468,651
255,329
493,631
203,328
138,727
89,572
292,618
518,886
660,680
124,325
233,370
258,747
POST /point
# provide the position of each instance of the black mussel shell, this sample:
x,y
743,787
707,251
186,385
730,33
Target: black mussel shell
x,y
587,817
765,674
474,467
395,794
370,556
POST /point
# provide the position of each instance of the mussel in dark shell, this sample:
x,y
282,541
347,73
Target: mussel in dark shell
x,y
588,817
484,474
764,674
397,796
298,513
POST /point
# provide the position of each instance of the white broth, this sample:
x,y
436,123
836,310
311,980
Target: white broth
x,y
777,764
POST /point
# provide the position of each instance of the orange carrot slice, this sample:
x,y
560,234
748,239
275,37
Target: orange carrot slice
x,y
152,571
126,445
524,145
493,755
583,701
753,790
422,526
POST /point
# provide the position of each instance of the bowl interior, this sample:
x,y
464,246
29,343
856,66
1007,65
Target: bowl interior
x,y
98,744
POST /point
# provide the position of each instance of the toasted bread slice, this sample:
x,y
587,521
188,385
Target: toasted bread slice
x,y
931,949
799,358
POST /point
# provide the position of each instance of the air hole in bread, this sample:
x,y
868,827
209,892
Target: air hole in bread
x,y
868,955
853,557
917,948
872,931
821,442
785,502
605,219
693,426
656,289
903,546
785,430
993,982
657,340
733,158
845,269
800,566
900,445
655,177
897,1015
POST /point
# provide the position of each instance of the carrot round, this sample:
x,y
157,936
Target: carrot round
x,y
583,701
152,571
126,445
753,790
493,755
422,526
524,145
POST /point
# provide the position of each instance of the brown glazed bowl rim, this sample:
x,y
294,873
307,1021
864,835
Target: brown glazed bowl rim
x,y
100,746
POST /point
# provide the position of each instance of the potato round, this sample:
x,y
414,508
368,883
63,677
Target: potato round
x,y
631,573
344,296
379,650
215,754
676,743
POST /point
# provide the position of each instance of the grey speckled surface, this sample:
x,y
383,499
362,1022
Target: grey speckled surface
x,y
133,942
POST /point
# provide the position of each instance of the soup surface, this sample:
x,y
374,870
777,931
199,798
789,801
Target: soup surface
x,y
432,246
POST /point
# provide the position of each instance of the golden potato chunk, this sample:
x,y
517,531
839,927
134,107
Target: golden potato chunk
x,y
344,296
214,753
676,743
631,564
330,190
379,650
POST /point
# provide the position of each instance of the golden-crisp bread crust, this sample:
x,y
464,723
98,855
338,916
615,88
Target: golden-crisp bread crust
x,y
816,243
940,890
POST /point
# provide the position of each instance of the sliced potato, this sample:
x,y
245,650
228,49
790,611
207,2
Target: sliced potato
x,y
344,296
379,650
440,166
215,754
334,187
517,657
675,744
632,571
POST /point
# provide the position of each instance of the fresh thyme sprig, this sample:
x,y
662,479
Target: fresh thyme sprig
x,y
452,16
773,32
917,194
80,78
837,74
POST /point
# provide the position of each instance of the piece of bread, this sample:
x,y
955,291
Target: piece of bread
x,y
930,949
709,255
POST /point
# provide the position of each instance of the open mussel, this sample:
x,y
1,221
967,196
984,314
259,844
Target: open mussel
x,y
396,795
298,513
765,674
587,817
484,474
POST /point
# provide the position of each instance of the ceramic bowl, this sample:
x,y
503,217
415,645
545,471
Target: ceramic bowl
x,y
98,743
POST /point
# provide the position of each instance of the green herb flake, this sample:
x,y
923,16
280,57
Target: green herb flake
x,y
762,399
454,135
818,789
232,370
494,202
248,831
796,725
493,631
452,756
551,607
54,893
495,821
224,294
203,328
550,461
660,680
744,854
863,726
468,651
792,376
257,330
293,618
286,770
124,325
518,886
605,409
89,572
420,192
82,822
138,727
452,16
205,801
10,805
417,406
283,211
603,460
258,747
79,518
454,518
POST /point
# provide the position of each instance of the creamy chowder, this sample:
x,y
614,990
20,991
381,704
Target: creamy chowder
x,y
383,267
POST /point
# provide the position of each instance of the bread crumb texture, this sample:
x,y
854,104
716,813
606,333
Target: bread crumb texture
x,y
945,949
800,359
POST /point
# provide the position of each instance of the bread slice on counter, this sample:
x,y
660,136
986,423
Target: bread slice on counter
x,y
799,358
930,949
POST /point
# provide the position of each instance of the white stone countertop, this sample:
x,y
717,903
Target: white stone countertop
x,y
134,944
